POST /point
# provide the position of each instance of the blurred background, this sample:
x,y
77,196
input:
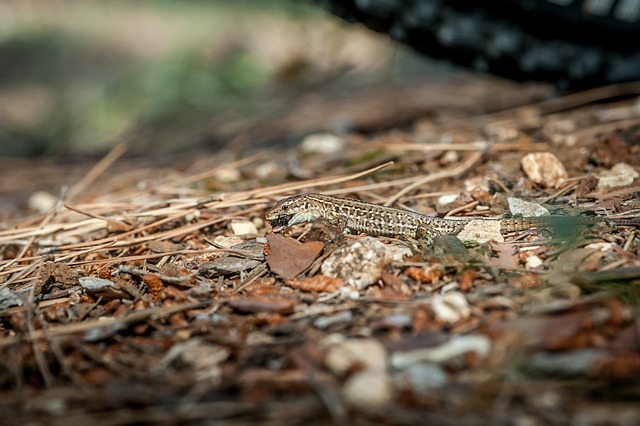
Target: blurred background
x,y
78,77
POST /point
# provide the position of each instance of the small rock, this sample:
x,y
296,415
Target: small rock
x,y
450,307
399,321
369,390
266,170
621,174
365,353
447,199
337,318
350,293
359,263
243,227
226,174
423,378
533,262
482,231
9,299
544,168
456,347
42,201
322,143
520,207
449,157
95,283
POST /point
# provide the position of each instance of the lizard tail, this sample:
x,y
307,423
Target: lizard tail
x,y
559,222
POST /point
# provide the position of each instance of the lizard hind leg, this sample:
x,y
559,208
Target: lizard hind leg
x,y
423,241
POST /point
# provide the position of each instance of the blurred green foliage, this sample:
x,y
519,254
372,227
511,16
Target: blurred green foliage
x,y
73,81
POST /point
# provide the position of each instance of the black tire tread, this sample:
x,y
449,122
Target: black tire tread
x,y
517,39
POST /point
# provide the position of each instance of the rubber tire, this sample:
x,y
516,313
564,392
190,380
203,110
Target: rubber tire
x,y
570,43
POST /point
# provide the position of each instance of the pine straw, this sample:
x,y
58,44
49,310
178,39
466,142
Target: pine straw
x,y
61,235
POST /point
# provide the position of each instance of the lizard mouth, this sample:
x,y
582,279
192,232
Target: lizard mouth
x,y
280,223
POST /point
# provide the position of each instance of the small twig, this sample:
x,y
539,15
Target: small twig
x,y
102,247
91,308
19,274
256,273
166,278
119,223
433,147
97,170
312,183
613,265
373,186
135,258
501,185
627,243
246,254
122,241
426,195
451,172
612,194
188,180
470,146
45,221
467,206
41,361
561,191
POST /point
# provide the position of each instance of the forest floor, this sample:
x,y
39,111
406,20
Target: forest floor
x,y
151,291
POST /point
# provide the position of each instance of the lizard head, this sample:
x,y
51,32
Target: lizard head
x,y
291,211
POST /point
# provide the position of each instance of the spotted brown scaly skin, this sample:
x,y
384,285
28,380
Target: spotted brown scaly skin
x,y
376,220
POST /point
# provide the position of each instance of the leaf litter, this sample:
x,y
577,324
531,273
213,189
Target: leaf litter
x,y
171,301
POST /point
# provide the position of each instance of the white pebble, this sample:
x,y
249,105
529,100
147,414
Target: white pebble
x,y
369,390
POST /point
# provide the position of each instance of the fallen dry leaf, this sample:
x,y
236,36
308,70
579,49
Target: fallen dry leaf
x,y
430,274
288,257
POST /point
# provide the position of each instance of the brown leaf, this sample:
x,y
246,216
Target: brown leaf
x,y
466,280
423,275
154,284
288,257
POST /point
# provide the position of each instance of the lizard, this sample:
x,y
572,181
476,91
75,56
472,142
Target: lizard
x,y
376,220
